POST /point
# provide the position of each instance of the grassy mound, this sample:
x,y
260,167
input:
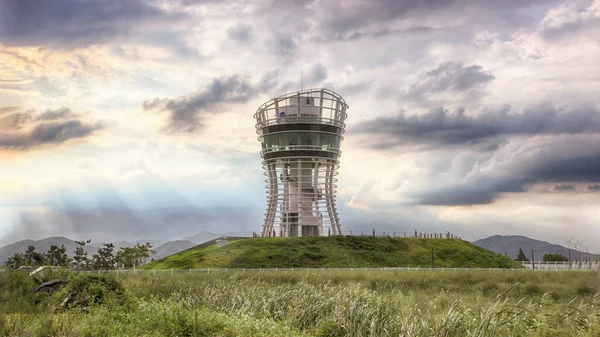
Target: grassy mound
x,y
85,290
20,293
336,252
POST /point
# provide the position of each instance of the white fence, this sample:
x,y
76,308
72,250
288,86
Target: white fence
x,y
159,272
539,266
562,265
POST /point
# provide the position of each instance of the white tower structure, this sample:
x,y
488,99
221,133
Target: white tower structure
x,y
300,134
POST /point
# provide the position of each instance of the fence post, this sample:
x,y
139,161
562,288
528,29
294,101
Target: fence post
x,y
154,272
171,271
190,270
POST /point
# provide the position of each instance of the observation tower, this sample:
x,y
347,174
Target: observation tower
x,y
300,134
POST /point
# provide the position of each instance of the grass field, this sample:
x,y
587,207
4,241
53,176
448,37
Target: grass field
x,y
338,251
388,303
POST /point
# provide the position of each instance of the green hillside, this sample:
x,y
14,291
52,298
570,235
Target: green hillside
x,y
337,251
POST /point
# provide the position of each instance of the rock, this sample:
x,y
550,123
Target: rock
x,y
69,300
50,286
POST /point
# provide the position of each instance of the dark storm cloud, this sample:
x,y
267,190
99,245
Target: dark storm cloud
x,y
567,28
284,45
75,23
485,190
60,113
564,188
58,132
443,128
448,77
345,20
575,23
23,130
318,73
34,22
185,114
241,33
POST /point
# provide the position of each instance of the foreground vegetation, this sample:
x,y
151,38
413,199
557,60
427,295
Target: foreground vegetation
x,y
337,251
359,303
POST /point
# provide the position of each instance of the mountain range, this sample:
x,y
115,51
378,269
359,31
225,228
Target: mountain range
x,y
162,247
42,246
503,244
510,245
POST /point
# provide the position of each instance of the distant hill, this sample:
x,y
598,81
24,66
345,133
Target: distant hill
x,y
337,251
510,245
204,236
42,246
171,247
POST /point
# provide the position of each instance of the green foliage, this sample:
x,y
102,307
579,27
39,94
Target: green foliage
x,y
521,256
136,255
33,258
15,261
85,290
555,257
15,292
336,252
81,259
57,256
104,258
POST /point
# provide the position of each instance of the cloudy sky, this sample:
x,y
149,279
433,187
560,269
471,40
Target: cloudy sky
x,y
126,119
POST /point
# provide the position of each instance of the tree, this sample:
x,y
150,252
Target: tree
x,y
16,261
569,241
143,252
521,256
81,257
555,257
57,256
136,255
32,257
126,257
105,258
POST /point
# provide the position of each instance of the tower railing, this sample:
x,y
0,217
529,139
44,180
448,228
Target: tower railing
x,y
331,109
301,119
301,147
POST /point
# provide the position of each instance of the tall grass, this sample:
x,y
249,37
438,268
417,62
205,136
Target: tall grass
x,y
427,303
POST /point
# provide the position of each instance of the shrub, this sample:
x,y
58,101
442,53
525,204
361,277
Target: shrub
x,y
85,290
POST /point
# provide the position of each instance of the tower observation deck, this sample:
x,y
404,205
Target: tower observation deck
x,y
300,134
